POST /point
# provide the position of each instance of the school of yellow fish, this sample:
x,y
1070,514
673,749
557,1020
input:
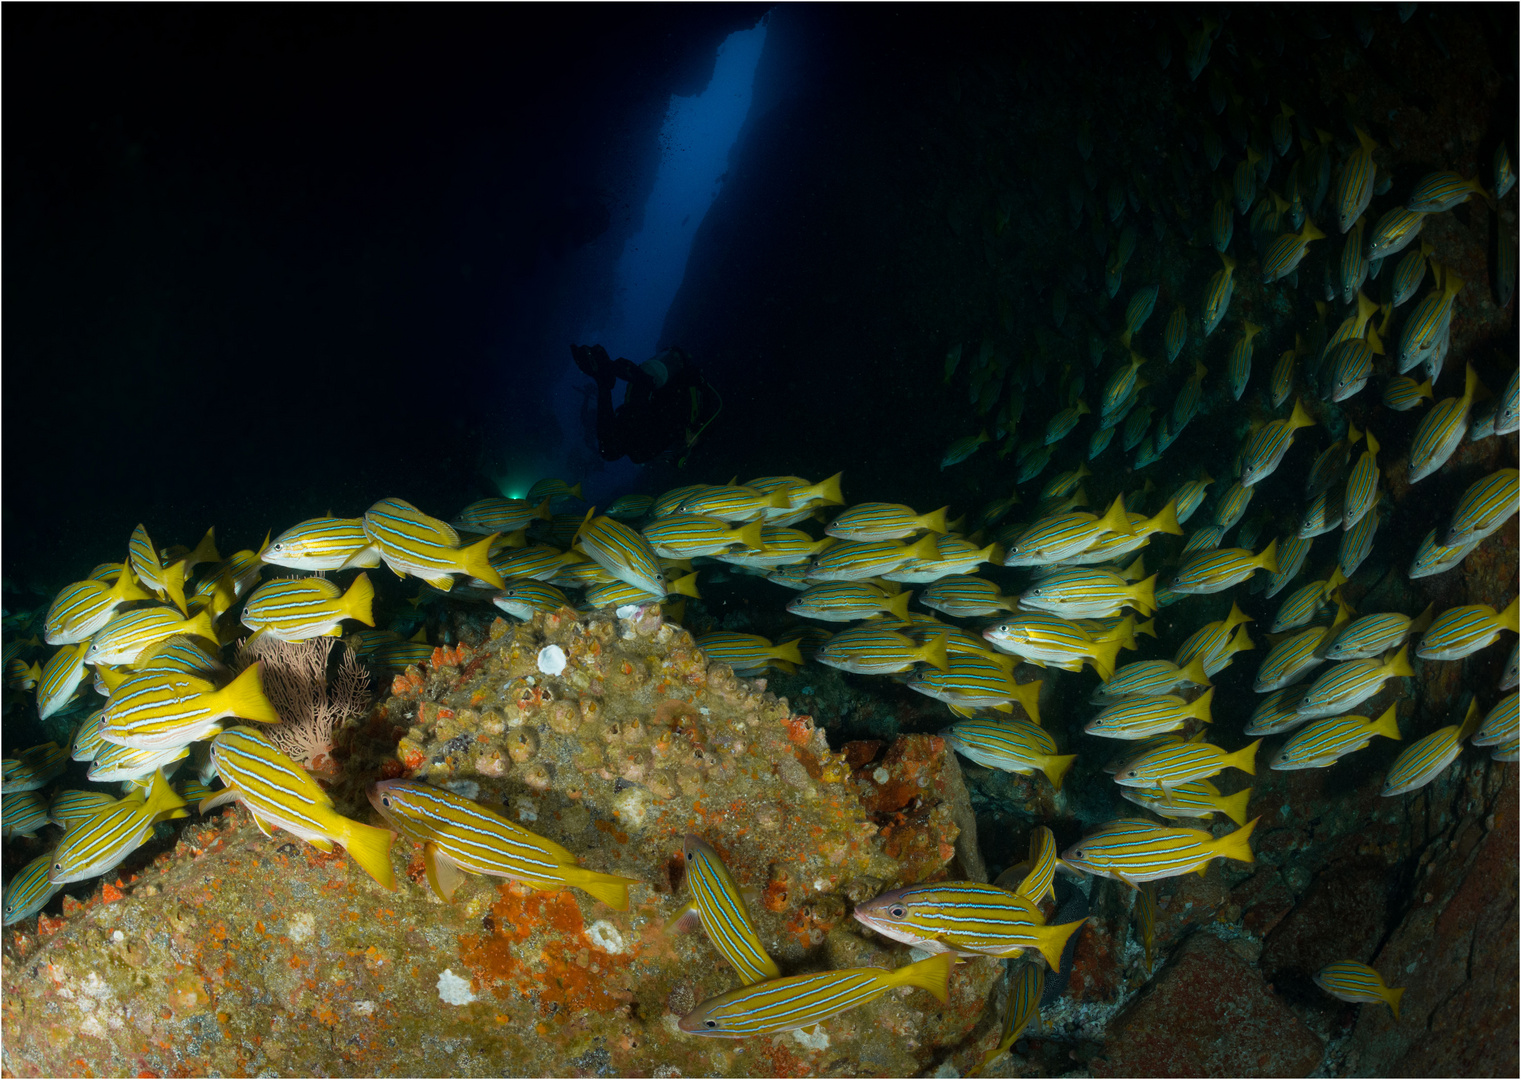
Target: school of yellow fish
x,y
139,644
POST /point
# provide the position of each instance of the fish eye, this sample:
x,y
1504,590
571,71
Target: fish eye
x,y
385,801
897,911
58,866
711,1023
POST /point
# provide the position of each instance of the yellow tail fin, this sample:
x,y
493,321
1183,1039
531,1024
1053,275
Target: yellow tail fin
x,y
1028,696
1387,725
161,797
1166,521
475,561
1144,595
1268,559
127,587
685,586
1149,628
611,889
750,535
1194,672
244,697
787,651
1244,759
932,974
829,490
206,550
1051,940
1105,653
925,549
1241,642
1056,767
1199,709
1400,665
1237,845
1508,619
174,585
369,847
1115,519
934,521
932,652
1234,806
898,605
1471,721
359,601
1423,620
1393,995
202,626
1299,418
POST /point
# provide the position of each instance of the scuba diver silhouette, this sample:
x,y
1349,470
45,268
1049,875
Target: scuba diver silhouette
x,y
666,399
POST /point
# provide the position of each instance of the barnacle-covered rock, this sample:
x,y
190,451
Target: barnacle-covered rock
x,y
240,954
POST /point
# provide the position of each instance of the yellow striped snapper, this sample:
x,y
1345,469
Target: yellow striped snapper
x,y
1409,272
1015,746
1089,592
157,711
1357,543
19,675
1064,484
1239,369
496,515
719,905
540,562
1352,269
670,502
1351,981
853,560
1134,850
1508,412
736,502
1020,1012
974,680
1035,878
1287,251
402,654
1428,324
63,675
1135,427
1463,631
25,813
553,490
1217,297
1292,552
324,543
1048,639
1281,379
87,739
1032,463
1439,191
1211,640
69,806
1060,535
962,596
1332,461
1323,515
624,553
966,918
1441,430
803,1001
524,596
684,536
957,556
278,793
1190,496
168,583
1175,334
1396,228
962,449
847,601
1137,312
1222,224
619,593
878,650
1362,485
1433,558
1485,506
29,890
1374,635
1177,763
1499,728
99,843
1232,505
1350,683
1277,712
115,762
1349,363
413,543
294,609
1325,741
1295,656
1196,56
1151,677
233,578
1402,393
779,546
1353,326
1244,181
1143,717
1195,799
1113,547
884,521
1427,758
1354,187
1219,570
460,835
1267,446
1064,421
1504,175
630,507
182,656
748,654
85,606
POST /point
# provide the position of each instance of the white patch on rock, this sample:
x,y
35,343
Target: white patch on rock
x,y
118,937
363,1008
92,1026
633,805
469,789
881,775
453,990
95,986
605,936
300,927
528,810
551,659
946,1070
818,1040
627,611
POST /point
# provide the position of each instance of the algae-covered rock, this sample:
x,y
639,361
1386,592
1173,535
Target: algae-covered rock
x,y
238,953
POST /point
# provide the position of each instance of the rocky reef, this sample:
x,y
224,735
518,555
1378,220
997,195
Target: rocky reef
x,y
236,953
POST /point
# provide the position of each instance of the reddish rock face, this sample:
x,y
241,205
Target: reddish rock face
x,y
1234,1024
